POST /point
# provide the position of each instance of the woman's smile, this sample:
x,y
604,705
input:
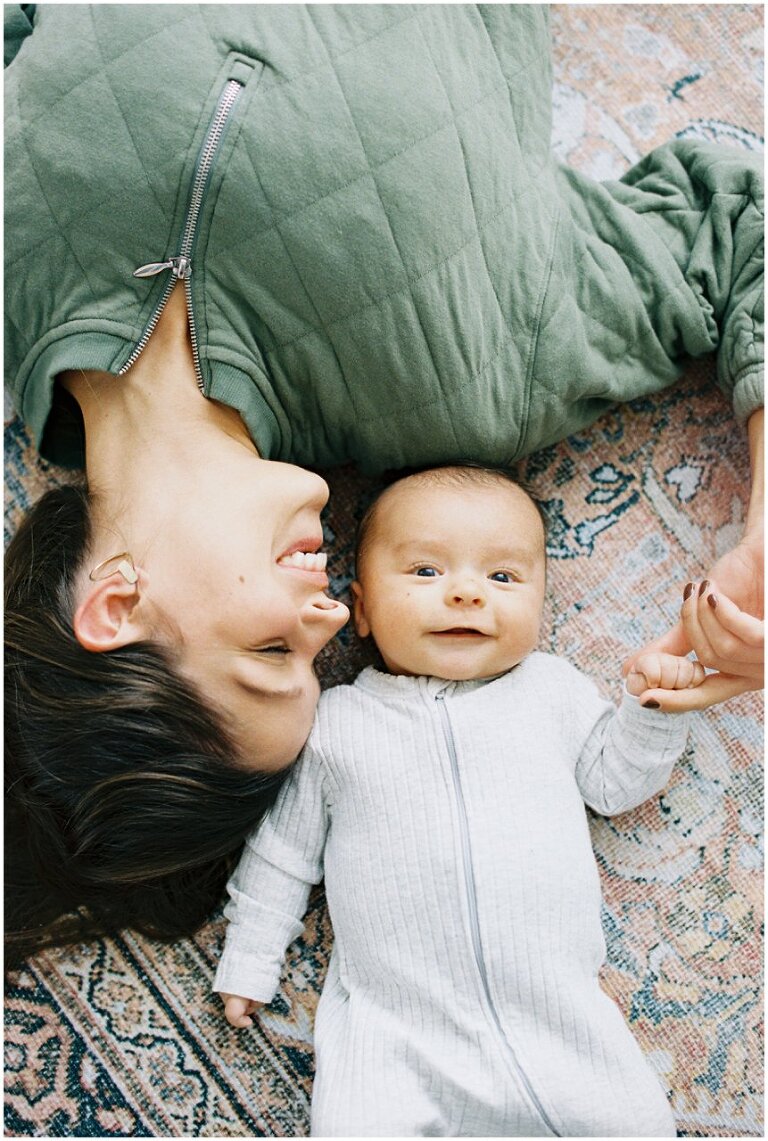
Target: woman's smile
x,y
309,563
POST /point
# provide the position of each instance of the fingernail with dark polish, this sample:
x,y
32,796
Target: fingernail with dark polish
x,y
703,587
687,591
651,704
712,601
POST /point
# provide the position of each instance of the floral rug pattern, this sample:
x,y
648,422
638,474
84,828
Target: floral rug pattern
x,y
123,1037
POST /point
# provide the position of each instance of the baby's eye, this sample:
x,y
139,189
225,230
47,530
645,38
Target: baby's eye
x,y
427,572
501,576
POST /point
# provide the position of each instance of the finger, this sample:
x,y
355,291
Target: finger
x,y
679,673
745,627
651,666
696,674
715,611
715,688
726,653
691,621
235,1009
673,673
636,683
237,1015
672,642
676,672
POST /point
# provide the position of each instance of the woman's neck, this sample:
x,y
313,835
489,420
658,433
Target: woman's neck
x,y
144,429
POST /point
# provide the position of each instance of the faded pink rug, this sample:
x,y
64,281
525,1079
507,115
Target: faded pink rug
x,y
123,1037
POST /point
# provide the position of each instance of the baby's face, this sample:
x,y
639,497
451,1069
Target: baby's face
x,y
452,580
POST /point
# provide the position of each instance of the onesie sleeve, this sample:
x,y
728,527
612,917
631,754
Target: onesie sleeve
x,y
269,889
624,755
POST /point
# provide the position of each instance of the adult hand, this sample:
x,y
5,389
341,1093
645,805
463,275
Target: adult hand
x,y
725,638
721,617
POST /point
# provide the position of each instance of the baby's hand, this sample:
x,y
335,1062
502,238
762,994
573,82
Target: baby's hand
x,y
663,671
238,1010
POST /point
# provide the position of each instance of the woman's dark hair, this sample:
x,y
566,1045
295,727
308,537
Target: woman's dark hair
x,y
124,800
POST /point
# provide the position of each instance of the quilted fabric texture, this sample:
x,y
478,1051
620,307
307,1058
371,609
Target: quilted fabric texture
x,y
388,272
123,1036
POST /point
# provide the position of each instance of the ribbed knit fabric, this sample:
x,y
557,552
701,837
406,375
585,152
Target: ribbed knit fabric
x,y
448,819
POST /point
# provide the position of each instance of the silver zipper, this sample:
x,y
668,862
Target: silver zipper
x,y
474,925
181,264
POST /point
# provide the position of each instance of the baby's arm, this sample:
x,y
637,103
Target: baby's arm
x,y
268,892
658,671
625,755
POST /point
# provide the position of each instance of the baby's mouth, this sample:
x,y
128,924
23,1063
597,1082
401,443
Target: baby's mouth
x,y
461,632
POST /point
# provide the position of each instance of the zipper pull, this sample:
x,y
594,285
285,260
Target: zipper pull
x,y
181,267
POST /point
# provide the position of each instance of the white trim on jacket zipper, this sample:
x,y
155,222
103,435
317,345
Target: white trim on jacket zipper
x,y
474,924
181,264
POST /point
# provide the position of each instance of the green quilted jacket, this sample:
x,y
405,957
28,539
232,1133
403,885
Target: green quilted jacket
x,y
383,263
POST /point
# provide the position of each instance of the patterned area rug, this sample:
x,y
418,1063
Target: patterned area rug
x,y
123,1037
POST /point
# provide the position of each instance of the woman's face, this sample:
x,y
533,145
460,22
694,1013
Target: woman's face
x,y
238,582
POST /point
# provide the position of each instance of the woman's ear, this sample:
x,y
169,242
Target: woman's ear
x,y
358,609
110,615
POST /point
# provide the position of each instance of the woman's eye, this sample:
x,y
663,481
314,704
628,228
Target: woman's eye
x,y
427,572
276,649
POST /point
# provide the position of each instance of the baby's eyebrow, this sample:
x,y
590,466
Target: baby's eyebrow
x,y
421,548
528,554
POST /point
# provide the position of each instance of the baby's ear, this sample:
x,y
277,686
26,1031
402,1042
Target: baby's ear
x,y
358,609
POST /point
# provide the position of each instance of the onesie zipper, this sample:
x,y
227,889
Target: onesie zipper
x,y
181,264
474,925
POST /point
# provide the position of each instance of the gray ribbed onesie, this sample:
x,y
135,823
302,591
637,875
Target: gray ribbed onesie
x,y
462,996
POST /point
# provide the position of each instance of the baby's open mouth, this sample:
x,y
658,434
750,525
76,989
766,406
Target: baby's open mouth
x,y
461,632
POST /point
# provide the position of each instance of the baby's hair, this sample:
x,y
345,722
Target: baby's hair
x,y
444,475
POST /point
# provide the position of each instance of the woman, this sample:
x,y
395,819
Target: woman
x,y
344,228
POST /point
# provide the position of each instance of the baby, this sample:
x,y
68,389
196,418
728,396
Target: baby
x,y
443,801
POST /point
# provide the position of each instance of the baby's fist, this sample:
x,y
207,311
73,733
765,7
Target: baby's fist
x,y
238,1010
663,671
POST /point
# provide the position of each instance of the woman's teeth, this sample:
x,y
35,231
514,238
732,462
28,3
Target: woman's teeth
x,y
303,560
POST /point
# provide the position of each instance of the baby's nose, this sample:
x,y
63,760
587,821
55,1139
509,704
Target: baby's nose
x,y
467,593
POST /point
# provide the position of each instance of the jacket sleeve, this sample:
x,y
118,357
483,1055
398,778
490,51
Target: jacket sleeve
x,y
673,254
628,755
17,25
705,203
269,889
